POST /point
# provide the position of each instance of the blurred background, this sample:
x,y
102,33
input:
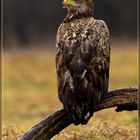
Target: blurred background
x,y
28,21
29,77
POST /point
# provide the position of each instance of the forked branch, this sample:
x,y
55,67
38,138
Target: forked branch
x,y
123,99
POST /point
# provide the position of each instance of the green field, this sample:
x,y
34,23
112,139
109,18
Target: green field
x,y
30,94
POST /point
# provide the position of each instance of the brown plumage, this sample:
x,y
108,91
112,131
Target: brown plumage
x,y
82,60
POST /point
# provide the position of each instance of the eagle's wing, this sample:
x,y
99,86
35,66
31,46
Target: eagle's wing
x,y
95,52
63,75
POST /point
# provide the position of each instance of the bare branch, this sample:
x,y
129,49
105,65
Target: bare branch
x,y
123,99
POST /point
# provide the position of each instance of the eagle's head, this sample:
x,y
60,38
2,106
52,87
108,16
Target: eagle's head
x,y
80,6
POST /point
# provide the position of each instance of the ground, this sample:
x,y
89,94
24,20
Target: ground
x,y
30,94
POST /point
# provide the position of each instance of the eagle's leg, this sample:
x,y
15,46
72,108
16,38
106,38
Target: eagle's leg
x,y
70,106
79,114
75,119
86,118
74,115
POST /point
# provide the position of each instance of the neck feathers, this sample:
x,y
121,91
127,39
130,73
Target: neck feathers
x,y
84,11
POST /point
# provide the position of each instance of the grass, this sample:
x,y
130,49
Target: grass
x,y
30,94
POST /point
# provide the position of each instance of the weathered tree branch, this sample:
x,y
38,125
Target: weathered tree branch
x,y
123,99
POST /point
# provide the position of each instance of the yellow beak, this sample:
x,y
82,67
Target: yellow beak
x,y
66,2
69,3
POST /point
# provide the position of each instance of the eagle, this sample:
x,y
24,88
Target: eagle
x,y
82,60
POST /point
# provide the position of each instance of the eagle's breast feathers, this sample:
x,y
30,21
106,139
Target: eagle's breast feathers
x,y
82,64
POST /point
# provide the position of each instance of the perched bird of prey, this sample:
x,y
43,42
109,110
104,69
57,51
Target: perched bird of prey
x,y
82,60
